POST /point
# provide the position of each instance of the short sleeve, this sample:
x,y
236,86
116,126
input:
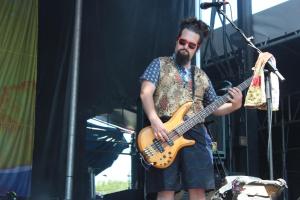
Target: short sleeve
x,y
209,95
152,72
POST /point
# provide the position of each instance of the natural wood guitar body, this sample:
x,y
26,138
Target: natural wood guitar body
x,y
146,139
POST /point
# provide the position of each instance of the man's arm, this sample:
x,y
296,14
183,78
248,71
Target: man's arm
x,y
235,102
146,95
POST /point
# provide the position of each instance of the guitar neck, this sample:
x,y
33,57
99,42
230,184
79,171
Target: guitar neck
x,y
200,116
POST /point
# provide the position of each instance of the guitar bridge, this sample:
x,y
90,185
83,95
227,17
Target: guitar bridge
x,y
170,142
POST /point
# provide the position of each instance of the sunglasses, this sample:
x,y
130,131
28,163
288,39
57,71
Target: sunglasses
x,y
191,45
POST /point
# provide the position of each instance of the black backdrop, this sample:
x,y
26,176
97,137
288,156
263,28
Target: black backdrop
x,y
119,38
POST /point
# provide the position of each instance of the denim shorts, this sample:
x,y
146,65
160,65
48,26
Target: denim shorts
x,y
192,167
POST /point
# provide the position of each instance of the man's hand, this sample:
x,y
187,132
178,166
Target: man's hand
x,y
159,130
235,97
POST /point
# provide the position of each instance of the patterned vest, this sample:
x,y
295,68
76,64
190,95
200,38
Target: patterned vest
x,y
171,92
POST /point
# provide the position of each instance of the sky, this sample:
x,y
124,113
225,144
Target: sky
x,y
121,168
257,6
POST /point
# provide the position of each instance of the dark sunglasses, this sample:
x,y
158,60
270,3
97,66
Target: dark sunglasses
x,y
191,45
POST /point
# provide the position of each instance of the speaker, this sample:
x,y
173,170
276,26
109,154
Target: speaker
x,y
216,126
126,194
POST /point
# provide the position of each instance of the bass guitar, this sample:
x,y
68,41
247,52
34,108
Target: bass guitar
x,y
161,154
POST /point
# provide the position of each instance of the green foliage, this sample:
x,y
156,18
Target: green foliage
x,y
107,187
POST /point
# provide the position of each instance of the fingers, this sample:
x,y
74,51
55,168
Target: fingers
x,y
235,97
161,134
159,130
234,93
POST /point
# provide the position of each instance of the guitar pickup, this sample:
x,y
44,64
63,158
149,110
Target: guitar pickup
x,y
170,142
158,145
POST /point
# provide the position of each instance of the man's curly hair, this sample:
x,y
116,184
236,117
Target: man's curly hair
x,y
196,26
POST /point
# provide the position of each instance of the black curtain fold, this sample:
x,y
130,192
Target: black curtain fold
x,y
119,40
54,47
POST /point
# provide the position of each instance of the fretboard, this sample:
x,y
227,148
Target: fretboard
x,y
200,117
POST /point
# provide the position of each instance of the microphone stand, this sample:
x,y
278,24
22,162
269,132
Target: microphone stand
x,y
270,68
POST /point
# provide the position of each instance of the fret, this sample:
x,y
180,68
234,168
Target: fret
x,y
190,124
178,130
175,133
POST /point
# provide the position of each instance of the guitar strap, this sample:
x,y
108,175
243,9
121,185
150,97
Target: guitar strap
x,y
193,81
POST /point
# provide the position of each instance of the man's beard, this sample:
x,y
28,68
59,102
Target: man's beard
x,y
182,58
